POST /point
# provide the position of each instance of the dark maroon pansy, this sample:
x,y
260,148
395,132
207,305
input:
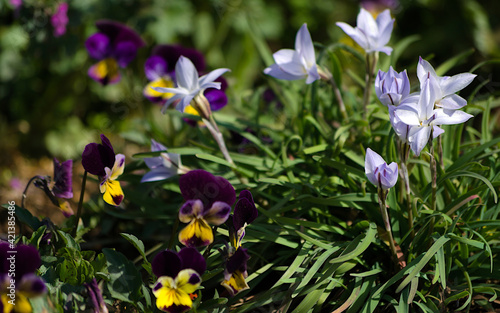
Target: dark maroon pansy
x,y
202,185
27,261
63,174
170,263
95,294
96,157
245,211
237,262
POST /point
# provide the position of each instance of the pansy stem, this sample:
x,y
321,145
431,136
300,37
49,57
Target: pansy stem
x,y
172,237
80,203
371,63
26,190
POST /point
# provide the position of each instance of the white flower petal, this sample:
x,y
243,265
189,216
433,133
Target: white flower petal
x,y
355,34
407,115
423,69
450,117
186,74
367,24
452,102
456,83
372,161
211,77
276,72
419,139
304,45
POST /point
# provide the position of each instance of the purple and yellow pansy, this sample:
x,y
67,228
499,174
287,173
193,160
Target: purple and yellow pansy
x,y
208,202
59,186
245,212
114,46
179,276
236,272
101,160
24,284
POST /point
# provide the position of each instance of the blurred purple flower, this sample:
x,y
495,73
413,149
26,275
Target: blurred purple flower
x,y
58,186
208,201
372,35
16,4
115,45
377,6
179,275
296,64
59,19
378,172
25,283
95,294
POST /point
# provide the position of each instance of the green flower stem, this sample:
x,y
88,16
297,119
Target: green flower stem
x,y
371,64
80,203
327,76
433,180
404,150
382,195
214,130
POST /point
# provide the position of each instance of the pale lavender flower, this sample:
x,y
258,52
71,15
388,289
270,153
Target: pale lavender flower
x,y
446,86
161,167
421,115
378,172
296,64
189,84
392,87
372,35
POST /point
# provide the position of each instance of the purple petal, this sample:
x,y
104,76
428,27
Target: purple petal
x,y
191,258
155,67
157,174
31,285
63,173
59,19
372,161
125,52
98,46
118,32
166,263
245,211
238,261
217,214
171,54
202,185
96,157
27,260
216,98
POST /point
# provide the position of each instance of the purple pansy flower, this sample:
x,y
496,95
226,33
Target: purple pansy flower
x,y
208,201
25,284
115,45
164,166
59,19
235,272
60,186
179,274
378,172
95,294
100,160
245,212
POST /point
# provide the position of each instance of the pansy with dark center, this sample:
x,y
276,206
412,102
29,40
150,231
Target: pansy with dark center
x,y
27,284
245,212
236,272
115,45
100,160
58,186
179,275
208,201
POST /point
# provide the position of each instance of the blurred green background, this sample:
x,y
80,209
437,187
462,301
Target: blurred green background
x,y
50,107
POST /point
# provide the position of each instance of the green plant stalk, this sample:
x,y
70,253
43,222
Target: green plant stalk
x,y
433,179
371,63
80,203
327,76
404,150
26,190
172,237
382,195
